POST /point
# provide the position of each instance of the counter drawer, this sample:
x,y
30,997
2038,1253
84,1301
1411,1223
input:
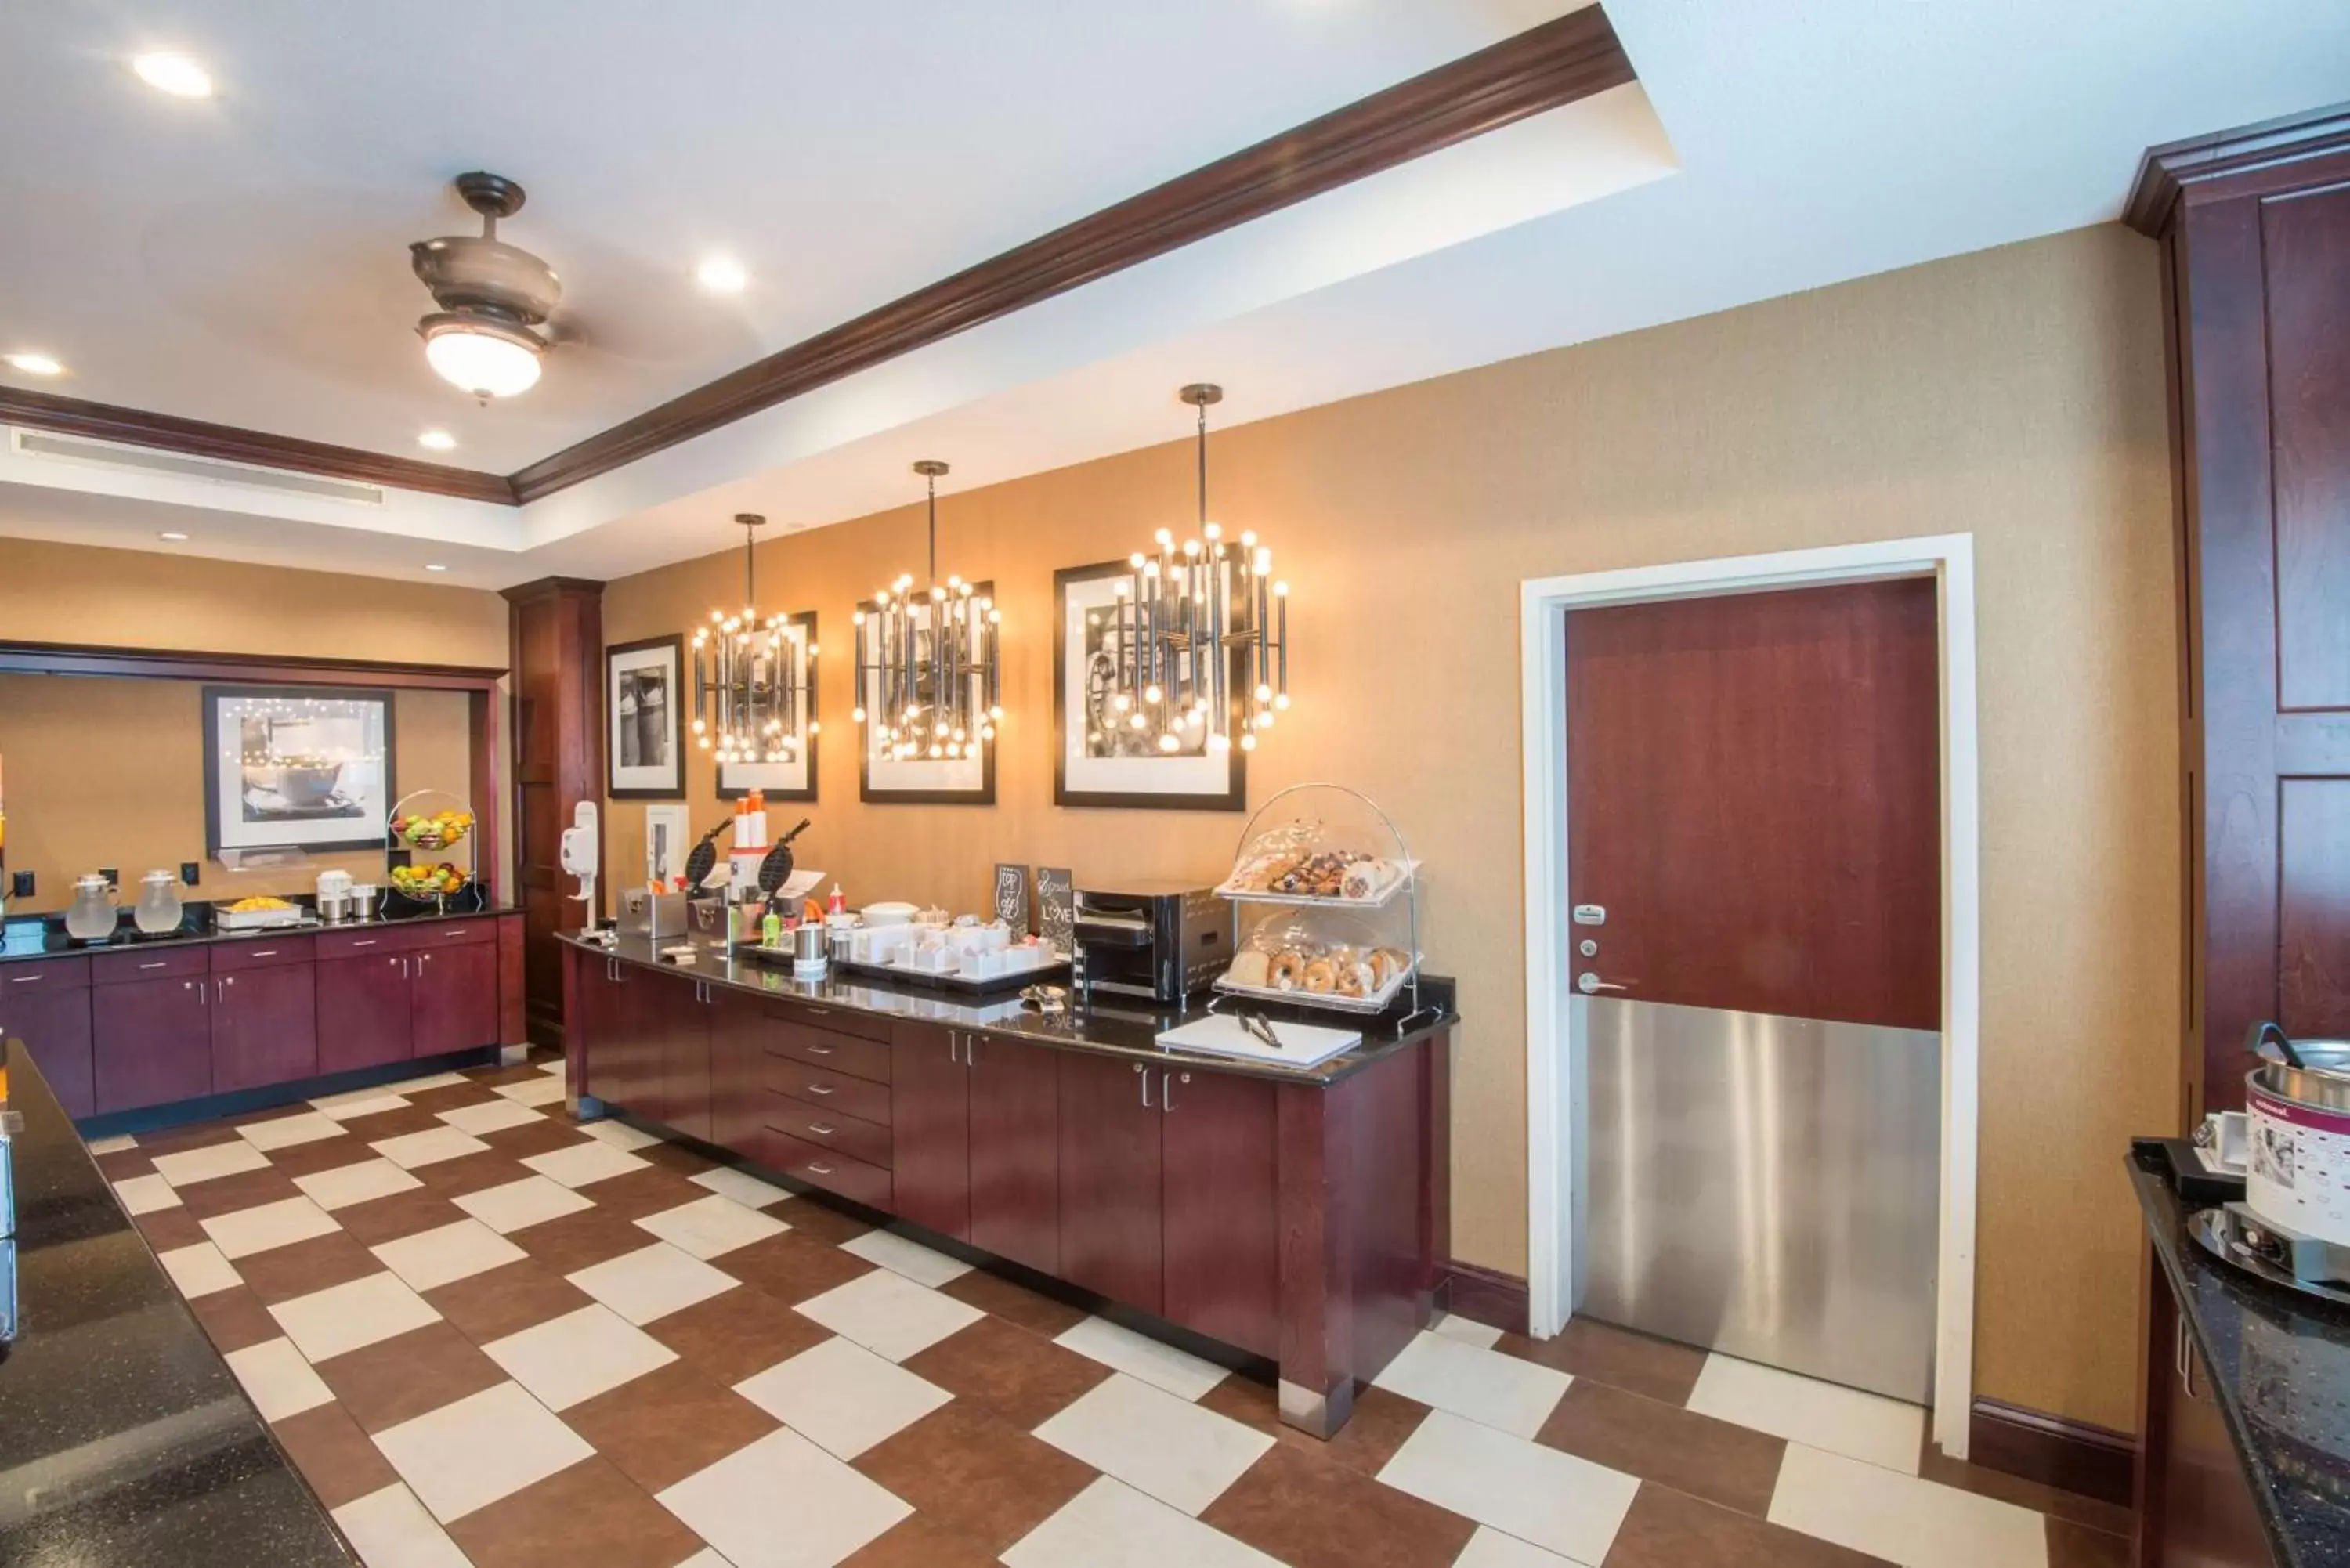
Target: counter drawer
x,y
363,942
825,1167
263,952
832,1090
29,977
834,1020
861,1058
829,1129
149,963
447,933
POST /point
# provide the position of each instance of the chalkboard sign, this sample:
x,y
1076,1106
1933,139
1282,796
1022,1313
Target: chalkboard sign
x,y
1056,908
1012,898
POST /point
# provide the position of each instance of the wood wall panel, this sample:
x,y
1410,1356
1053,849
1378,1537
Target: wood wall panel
x,y
2314,903
2305,250
558,635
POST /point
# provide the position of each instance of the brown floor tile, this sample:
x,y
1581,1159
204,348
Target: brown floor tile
x,y
573,1241
167,1230
678,1158
1733,1466
321,1153
245,1190
342,1463
495,1075
589,1513
918,1542
668,1424
282,1274
1311,1513
381,1220
450,1096
1022,1379
197,1135
392,1380
2106,1518
2072,1545
1015,1303
123,1164
819,1221
976,1474
1616,1357
1667,1529
736,1333
792,1267
1380,1423
640,1193
506,1300
471,1172
397,1123
234,1319
544,1135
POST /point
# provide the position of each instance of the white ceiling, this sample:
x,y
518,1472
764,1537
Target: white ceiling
x,y
850,154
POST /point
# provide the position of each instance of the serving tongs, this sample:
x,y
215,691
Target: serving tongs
x,y
1259,1030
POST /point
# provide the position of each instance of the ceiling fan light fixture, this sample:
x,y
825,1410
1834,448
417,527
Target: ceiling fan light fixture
x,y
492,296
480,356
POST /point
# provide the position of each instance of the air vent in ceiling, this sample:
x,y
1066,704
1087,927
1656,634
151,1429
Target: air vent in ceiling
x,y
178,465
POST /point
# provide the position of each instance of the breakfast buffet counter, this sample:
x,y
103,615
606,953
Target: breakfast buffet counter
x,y
44,935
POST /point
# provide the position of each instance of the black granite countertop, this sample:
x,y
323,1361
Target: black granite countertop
x,y
44,935
125,1441
2280,1364
1128,1030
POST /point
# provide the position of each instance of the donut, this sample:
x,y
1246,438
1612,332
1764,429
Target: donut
x,y
1321,975
1288,969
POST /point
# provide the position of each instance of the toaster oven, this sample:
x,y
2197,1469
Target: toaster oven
x,y
1161,942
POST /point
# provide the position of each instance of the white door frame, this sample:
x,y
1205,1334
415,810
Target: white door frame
x,y
1948,559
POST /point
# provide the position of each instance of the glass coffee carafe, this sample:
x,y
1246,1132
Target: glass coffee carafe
x,y
92,914
158,910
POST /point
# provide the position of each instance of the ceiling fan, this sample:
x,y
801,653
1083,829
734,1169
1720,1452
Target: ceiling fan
x,y
493,297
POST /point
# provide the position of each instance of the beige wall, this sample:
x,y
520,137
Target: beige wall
x,y
103,772
2016,394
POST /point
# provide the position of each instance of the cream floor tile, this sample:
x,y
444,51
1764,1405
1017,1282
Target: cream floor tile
x,y
487,1446
1467,1330
917,1263
430,1259
244,1231
1555,1501
278,1380
489,1116
191,1165
1111,1525
1489,1548
1805,1410
712,1227
410,1150
842,1397
651,1282
284,1132
728,1182
356,1183
200,1270
145,1194
585,1163
357,1313
1170,1448
357,1103
890,1314
521,1204
554,1067
114,1145
540,1091
783,1502
1900,1518
1502,1391
1178,1372
618,1135
578,1355
390,1529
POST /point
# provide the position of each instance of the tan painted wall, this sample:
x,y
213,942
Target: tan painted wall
x,y
111,771
2016,394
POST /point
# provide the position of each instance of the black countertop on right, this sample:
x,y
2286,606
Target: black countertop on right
x,y
2280,1364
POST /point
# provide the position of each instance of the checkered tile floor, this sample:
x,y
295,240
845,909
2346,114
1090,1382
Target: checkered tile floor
x,y
489,1335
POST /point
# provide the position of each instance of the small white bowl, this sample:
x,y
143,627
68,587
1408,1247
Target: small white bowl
x,y
890,914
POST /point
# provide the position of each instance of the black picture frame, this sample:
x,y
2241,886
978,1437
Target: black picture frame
x,y
1233,797
211,699
809,739
674,643
870,793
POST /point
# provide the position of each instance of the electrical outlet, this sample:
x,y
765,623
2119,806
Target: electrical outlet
x,y
113,877
188,869
20,885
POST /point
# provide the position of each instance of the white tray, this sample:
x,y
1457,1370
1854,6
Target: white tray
x,y
1374,1003
1302,1044
1260,896
255,919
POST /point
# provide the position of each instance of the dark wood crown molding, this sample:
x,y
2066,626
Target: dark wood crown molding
x,y
196,438
539,589
2236,163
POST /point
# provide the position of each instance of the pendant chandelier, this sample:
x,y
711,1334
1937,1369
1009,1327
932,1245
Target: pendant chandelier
x,y
747,700
1191,621
927,678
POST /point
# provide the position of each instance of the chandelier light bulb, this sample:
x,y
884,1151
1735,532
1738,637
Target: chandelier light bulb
x,y
1248,742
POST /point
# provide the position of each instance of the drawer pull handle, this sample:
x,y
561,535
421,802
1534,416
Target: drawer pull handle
x,y
23,979
819,1088
369,943
819,1169
820,1050
158,963
821,1129
821,1011
266,952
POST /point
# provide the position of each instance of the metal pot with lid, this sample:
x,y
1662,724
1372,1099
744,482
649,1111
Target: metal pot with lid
x,y
2298,1103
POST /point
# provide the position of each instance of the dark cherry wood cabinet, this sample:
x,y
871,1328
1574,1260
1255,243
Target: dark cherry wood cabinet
x,y
1220,1229
2194,1505
362,1012
738,1028
685,1070
929,1102
1015,1201
453,998
151,1042
264,1027
1112,1180
47,1006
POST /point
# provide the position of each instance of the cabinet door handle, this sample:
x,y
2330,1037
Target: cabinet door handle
x,y
820,1050
822,1129
971,1050
369,943
158,963
819,1089
266,952
1145,1073
29,979
951,1047
1167,1091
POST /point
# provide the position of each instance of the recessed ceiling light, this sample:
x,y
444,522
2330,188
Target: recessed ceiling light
x,y
438,441
434,567
722,274
173,538
174,74
36,364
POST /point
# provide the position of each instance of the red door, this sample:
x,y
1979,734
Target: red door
x,y
1014,1151
929,1116
363,1011
264,1027
152,1042
49,1012
1222,1212
1111,1175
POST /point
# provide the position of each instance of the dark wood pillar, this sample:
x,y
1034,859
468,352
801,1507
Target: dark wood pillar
x,y
2255,230
558,761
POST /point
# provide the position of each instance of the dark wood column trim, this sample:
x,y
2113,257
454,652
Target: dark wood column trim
x,y
557,760
2309,149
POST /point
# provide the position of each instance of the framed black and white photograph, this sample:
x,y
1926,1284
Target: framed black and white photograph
x,y
644,710
789,693
920,778
1102,756
297,766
